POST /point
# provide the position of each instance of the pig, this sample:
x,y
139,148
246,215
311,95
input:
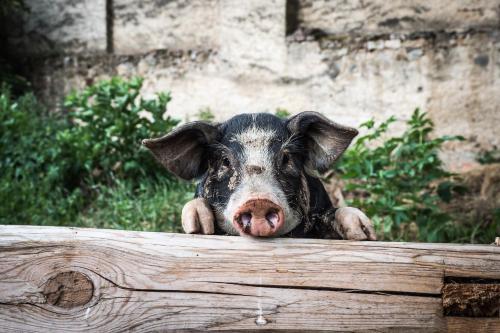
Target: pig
x,y
258,176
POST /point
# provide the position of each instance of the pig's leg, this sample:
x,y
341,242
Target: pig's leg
x,y
197,217
351,223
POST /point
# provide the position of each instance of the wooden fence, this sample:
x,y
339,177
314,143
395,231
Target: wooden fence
x,y
67,279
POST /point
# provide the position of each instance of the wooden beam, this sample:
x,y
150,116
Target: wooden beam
x,y
68,279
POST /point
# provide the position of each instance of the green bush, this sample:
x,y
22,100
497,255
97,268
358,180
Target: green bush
x,y
32,186
109,121
86,166
400,182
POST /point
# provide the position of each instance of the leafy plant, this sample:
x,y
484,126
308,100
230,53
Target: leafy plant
x,y
26,138
109,120
32,184
399,183
87,165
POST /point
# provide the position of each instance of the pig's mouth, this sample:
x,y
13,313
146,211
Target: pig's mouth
x,y
259,218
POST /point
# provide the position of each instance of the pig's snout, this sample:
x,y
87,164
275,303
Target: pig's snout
x,y
259,217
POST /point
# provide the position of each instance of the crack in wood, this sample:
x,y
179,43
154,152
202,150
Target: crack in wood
x,y
155,290
466,280
345,290
18,304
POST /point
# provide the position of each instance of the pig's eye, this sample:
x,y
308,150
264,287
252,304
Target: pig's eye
x,y
226,162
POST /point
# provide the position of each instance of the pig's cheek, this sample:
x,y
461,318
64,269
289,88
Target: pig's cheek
x,y
197,217
233,181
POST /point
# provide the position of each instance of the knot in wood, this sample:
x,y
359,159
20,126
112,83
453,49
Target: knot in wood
x,y
69,290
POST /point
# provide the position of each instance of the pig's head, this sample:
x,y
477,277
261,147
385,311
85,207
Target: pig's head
x,y
252,168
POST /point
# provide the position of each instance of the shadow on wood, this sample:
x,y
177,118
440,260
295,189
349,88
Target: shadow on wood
x,y
67,279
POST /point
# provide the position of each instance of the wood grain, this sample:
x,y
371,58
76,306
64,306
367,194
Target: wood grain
x,y
157,281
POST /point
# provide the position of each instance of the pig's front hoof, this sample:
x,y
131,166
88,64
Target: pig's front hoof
x,y
197,217
353,224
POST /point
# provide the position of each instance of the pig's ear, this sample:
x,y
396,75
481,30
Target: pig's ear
x,y
183,151
324,140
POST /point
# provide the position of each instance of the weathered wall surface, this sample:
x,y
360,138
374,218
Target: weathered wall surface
x,y
61,26
143,26
350,60
376,17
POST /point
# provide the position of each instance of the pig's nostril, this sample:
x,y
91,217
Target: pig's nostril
x,y
245,219
272,219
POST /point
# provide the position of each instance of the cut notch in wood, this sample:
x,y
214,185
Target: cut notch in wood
x,y
471,297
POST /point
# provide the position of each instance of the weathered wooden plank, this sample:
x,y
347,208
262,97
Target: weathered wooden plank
x,y
118,309
152,281
179,259
473,325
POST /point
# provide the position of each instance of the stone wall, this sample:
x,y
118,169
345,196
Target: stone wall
x,y
148,25
377,17
352,60
53,27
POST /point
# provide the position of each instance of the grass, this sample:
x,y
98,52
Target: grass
x,y
153,206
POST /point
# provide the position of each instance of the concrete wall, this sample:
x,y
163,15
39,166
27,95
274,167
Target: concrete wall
x,y
352,60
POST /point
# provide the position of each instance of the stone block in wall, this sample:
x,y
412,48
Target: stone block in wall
x,y
61,27
252,35
143,26
375,17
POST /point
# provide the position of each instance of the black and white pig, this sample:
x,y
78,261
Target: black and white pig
x,y
258,176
